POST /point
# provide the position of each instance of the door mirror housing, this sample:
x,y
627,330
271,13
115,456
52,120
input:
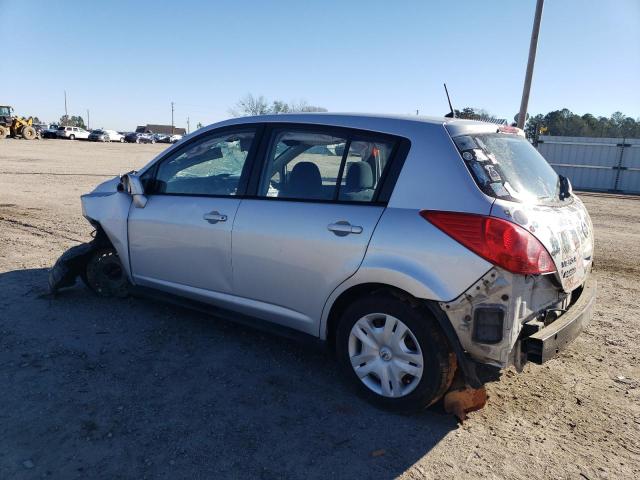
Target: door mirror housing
x,y
130,183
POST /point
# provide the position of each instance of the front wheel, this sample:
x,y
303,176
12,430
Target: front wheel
x,y
104,275
394,352
121,139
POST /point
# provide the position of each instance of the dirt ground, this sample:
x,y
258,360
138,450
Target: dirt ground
x,y
96,388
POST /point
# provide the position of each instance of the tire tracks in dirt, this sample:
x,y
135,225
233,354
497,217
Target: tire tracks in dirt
x,y
36,230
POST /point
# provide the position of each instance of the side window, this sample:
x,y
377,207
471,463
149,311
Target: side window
x,y
211,166
302,165
365,164
309,165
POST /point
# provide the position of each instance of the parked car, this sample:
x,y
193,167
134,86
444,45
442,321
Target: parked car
x,y
430,249
175,138
100,135
40,128
50,132
72,133
161,137
137,137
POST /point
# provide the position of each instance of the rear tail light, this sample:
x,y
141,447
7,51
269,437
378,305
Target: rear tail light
x,y
498,241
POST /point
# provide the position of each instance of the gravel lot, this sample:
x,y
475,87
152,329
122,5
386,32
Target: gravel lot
x,y
95,388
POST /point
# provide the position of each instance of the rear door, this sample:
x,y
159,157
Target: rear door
x,y
317,201
181,240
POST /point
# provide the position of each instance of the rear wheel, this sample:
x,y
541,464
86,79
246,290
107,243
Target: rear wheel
x,y
28,133
104,274
394,352
72,137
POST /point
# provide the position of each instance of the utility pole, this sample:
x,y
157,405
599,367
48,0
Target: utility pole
x,y
533,46
88,121
172,132
188,126
65,104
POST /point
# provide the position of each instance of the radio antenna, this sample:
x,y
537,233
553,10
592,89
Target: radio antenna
x,y
452,113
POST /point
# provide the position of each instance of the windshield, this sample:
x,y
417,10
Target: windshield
x,y
507,166
5,111
98,132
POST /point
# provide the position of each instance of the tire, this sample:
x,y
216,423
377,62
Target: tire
x,y
4,133
104,275
28,133
72,137
121,139
392,355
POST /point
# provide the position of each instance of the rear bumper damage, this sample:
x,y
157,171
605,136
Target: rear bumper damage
x,y
506,319
546,342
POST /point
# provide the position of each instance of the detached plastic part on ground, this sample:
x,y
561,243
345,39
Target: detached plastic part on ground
x,y
461,401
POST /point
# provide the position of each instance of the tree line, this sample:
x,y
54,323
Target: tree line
x,y
557,123
259,105
566,123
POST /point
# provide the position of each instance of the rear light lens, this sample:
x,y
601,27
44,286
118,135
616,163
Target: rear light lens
x,y
498,241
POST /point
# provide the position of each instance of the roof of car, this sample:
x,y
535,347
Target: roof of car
x,y
328,116
395,124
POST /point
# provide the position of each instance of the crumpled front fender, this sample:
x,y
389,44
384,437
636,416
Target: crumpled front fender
x,y
109,209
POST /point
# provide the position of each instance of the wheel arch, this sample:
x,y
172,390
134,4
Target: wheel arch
x,y
342,300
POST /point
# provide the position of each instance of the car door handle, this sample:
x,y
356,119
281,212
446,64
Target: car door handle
x,y
214,217
343,228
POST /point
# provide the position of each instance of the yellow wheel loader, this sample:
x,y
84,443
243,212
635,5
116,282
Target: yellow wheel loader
x,y
13,126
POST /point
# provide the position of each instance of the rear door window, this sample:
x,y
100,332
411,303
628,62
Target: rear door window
x,y
317,165
303,165
364,165
507,166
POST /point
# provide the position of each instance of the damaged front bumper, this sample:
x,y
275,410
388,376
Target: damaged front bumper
x,y
546,342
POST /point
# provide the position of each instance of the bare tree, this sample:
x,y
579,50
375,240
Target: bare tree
x,y
303,106
250,105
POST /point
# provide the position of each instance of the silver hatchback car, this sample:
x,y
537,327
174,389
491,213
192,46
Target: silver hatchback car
x,y
428,252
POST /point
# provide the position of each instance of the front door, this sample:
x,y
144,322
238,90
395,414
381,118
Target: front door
x,y
308,229
181,240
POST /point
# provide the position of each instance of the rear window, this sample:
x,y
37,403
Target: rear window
x,y
507,166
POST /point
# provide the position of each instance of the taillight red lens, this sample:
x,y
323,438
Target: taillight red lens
x,y
498,241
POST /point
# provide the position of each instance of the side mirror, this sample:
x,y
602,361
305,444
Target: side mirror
x,y
132,185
